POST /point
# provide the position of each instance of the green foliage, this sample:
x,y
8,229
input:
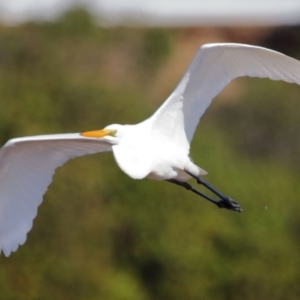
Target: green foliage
x,y
156,47
268,122
102,235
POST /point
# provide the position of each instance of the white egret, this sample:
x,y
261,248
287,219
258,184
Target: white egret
x,y
157,148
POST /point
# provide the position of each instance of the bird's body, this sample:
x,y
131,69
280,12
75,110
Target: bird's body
x,y
157,148
157,156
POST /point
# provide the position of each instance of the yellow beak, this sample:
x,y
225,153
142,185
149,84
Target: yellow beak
x,y
97,133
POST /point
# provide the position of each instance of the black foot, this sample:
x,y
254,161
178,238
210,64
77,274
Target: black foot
x,y
229,204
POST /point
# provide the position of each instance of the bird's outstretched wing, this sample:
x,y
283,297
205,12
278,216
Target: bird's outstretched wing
x,y
26,169
213,67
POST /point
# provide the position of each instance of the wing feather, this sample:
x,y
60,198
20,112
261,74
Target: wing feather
x,y
213,67
26,169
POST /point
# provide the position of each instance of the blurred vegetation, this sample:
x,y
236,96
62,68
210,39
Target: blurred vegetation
x,y
102,235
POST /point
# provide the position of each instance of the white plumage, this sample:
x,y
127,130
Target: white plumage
x,y
157,148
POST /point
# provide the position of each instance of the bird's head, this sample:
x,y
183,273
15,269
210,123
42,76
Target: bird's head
x,y
111,133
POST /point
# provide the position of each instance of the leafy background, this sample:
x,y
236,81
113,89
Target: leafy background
x,y
102,235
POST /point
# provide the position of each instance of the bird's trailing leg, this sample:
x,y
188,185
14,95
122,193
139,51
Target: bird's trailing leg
x,y
224,202
190,188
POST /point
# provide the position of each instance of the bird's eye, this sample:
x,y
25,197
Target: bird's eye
x,y
115,131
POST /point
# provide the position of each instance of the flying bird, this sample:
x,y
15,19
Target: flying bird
x,y
157,148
